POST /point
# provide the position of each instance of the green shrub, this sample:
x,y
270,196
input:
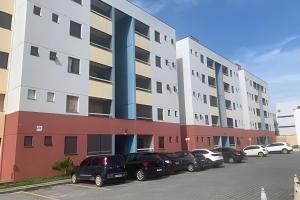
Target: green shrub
x,y
66,165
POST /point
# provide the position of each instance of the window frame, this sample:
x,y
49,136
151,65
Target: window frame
x,y
73,23
30,144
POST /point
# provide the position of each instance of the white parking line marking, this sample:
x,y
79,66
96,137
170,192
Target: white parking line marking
x,y
38,195
97,188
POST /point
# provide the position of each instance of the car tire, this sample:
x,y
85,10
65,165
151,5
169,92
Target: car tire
x,y
261,154
191,168
99,181
231,160
140,175
74,178
285,151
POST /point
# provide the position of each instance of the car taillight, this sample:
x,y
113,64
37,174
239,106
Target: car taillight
x,y
104,161
146,165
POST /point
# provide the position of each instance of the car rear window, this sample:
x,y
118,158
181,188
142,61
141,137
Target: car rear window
x,y
150,157
198,154
116,160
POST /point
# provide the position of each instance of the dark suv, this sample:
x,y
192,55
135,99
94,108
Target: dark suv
x,y
191,161
144,165
100,169
171,162
231,155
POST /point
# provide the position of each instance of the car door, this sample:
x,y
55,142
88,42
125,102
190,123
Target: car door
x,y
249,151
84,169
256,150
271,147
95,167
132,164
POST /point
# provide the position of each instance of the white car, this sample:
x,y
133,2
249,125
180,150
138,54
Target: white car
x,y
255,150
279,147
213,159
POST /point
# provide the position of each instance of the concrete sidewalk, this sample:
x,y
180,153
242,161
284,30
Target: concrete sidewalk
x,y
35,186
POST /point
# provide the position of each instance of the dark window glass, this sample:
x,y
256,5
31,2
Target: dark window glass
x,y
37,10
75,29
28,141
86,162
73,65
34,51
48,141
3,60
5,20
159,87
99,144
54,17
202,58
157,36
205,98
70,145
213,101
52,55
158,61
161,142
160,115
78,1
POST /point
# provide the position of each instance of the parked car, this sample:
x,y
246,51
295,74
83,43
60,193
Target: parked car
x,y
144,165
191,161
100,169
213,159
255,150
231,155
279,147
172,163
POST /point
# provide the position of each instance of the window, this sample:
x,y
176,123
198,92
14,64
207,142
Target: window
x,y
202,58
78,1
37,10
55,18
70,145
205,98
160,114
175,89
5,21
48,141
158,61
213,101
170,139
230,73
176,115
172,41
34,51
232,89
210,63
50,97
233,106
167,62
52,55
28,141
211,81
169,112
31,95
157,36
159,87
177,139
203,78
3,60
161,142
72,104
75,29
99,144
206,120
166,38
73,65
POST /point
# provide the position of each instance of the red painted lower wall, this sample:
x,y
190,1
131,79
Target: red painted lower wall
x,y
18,162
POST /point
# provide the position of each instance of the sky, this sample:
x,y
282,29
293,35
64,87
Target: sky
x,y
261,35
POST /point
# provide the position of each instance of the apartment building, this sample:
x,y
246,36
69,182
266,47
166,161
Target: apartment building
x,y
82,78
211,99
288,122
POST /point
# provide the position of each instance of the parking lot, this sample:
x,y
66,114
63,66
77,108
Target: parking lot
x,y
233,181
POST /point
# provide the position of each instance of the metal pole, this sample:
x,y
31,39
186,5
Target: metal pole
x,y
296,188
263,195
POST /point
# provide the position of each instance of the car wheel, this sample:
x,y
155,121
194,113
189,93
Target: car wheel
x,y
209,162
285,151
231,160
191,168
261,154
99,181
74,179
140,175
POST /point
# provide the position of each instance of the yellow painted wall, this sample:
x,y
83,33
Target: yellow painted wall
x,y
100,89
143,69
291,139
7,6
2,118
227,96
101,56
213,91
229,113
5,39
144,98
214,111
101,23
142,42
211,72
3,80
226,79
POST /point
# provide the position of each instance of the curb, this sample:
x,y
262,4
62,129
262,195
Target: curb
x,y
30,187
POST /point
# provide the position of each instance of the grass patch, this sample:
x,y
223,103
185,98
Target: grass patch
x,y
33,181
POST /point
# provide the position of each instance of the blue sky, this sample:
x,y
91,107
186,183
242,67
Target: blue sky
x,y
262,35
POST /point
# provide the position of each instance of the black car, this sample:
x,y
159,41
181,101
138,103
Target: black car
x,y
171,162
231,155
99,169
190,161
144,165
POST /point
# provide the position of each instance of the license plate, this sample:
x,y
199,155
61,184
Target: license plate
x,y
118,175
159,170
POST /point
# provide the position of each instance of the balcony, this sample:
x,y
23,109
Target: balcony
x,y
212,82
142,29
225,70
143,69
143,83
2,98
3,80
211,72
101,8
213,91
227,87
214,111
100,89
99,72
101,23
143,97
230,123
142,42
227,96
228,105
5,38
7,6
99,107
143,112
142,55
226,79
215,120
229,113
